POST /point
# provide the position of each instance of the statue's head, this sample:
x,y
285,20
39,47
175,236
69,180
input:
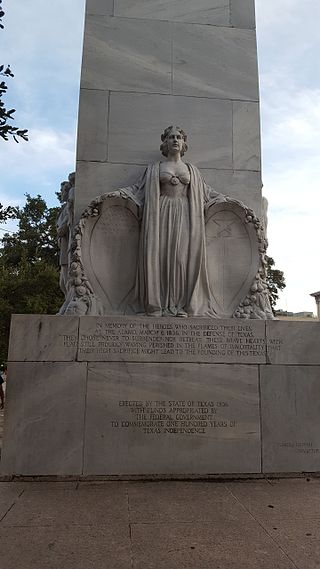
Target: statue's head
x,y
72,178
165,136
64,191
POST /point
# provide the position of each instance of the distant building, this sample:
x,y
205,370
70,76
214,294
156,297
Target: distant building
x,y
316,296
285,315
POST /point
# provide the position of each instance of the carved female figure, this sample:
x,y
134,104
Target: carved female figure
x,y
63,230
172,274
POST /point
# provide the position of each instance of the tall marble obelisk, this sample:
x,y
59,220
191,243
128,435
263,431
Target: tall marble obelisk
x,y
151,63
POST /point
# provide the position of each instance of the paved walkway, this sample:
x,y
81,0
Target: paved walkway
x,y
160,525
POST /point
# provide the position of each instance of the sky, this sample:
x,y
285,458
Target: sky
x,y
42,41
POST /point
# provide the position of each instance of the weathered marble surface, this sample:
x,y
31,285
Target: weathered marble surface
x,y
232,246
136,143
171,340
214,12
290,408
100,7
157,49
121,54
242,13
241,185
235,13
231,74
44,418
109,245
230,442
293,342
40,337
93,118
246,136
208,124
96,178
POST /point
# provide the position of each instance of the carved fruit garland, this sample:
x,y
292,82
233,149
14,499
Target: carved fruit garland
x,y
257,304
79,284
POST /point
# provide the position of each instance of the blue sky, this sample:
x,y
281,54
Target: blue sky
x,y
43,41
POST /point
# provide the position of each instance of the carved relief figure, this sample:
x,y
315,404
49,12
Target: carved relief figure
x,y
172,275
63,236
168,245
64,224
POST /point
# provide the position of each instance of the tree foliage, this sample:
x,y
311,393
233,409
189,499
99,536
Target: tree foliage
x,y
35,240
7,130
275,281
29,271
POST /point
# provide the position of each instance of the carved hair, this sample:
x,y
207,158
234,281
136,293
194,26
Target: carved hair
x,y
164,137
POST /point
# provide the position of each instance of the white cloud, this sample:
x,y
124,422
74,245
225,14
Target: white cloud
x,y
36,167
43,43
286,16
46,149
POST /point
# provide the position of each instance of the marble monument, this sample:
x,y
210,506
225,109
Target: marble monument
x,y
165,360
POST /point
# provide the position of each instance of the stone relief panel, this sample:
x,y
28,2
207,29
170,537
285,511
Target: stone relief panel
x,y
110,252
168,245
106,256
232,245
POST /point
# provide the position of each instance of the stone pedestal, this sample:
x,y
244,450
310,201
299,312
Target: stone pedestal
x,y
103,396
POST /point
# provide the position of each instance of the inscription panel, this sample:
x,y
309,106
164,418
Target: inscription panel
x,y
172,419
184,417
200,340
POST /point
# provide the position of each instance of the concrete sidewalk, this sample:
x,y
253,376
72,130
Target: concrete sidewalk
x,y
160,525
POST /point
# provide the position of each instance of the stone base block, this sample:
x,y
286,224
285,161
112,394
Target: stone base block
x,y
103,396
44,419
290,399
172,419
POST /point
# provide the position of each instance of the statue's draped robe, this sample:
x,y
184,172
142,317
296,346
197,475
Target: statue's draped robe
x,y
150,295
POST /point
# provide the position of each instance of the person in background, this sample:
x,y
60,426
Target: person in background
x,y
3,376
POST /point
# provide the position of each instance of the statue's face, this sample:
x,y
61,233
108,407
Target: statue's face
x,y
175,141
64,191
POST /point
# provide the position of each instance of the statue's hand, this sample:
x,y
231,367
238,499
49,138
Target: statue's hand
x,y
219,199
